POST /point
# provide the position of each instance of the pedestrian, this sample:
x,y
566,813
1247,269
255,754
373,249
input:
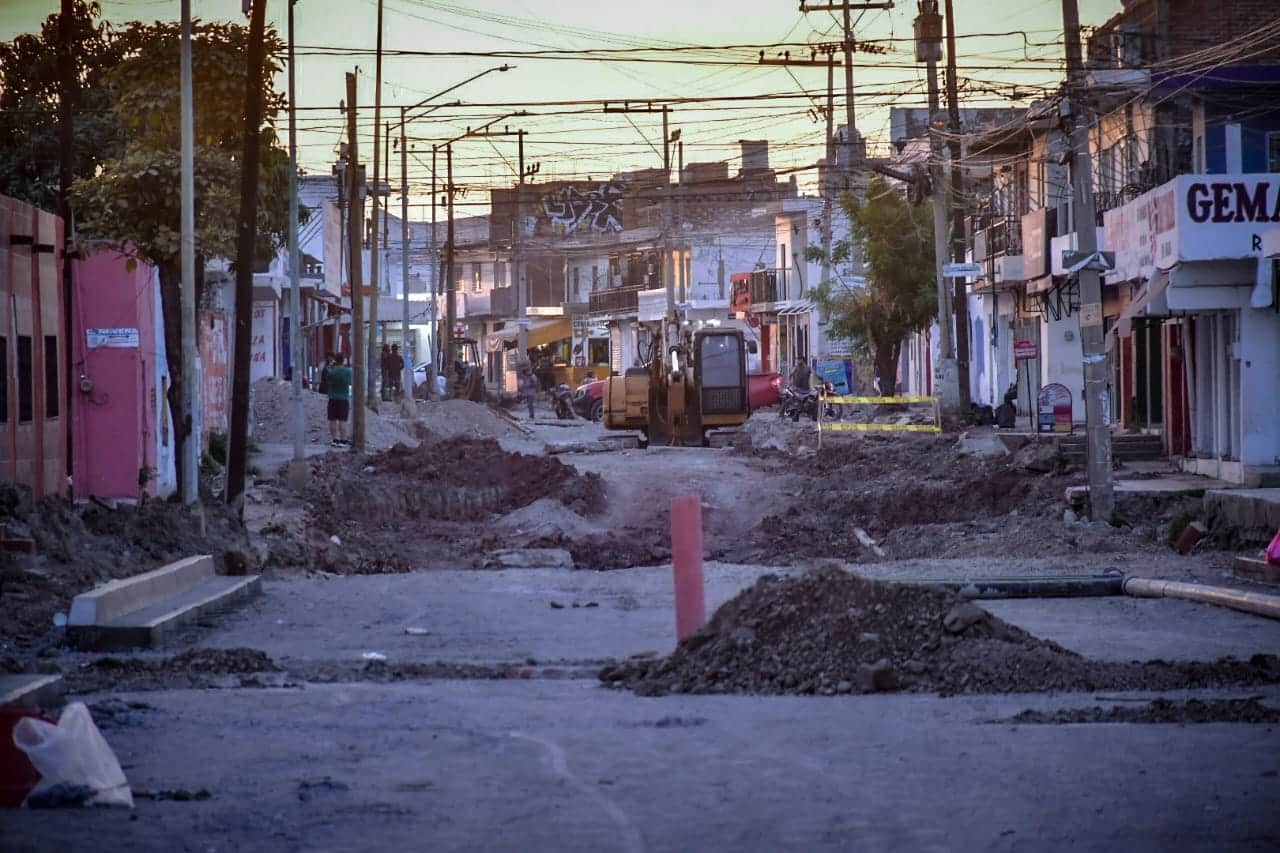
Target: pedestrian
x,y
395,365
323,387
384,371
339,392
528,388
800,375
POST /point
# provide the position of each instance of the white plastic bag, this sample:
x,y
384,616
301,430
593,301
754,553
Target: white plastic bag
x,y
73,753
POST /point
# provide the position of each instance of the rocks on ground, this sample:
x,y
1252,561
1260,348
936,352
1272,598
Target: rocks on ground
x,y
273,407
829,631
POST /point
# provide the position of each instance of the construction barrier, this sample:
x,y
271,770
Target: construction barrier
x,y
844,426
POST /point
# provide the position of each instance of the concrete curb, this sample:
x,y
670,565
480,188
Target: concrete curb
x,y
149,609
32,691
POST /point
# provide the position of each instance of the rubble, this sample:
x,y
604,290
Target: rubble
x,y
829,631
273,410
467,419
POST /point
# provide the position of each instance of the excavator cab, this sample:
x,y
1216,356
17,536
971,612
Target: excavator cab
x,y
466,376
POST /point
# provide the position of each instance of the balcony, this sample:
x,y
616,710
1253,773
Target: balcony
x,y
615,300
768,286
499,302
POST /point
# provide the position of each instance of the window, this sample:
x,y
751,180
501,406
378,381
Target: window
x,y
457,277
576,285
25,397
720,361
595,277
4,380
51,397
475,278
1273,151
500,274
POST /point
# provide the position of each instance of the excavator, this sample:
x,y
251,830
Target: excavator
x,y
695,382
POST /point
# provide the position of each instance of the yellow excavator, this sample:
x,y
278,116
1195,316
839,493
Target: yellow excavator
x,y
695,382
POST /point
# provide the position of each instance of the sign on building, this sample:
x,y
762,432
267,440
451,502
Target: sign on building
x,y
112,338
1025,350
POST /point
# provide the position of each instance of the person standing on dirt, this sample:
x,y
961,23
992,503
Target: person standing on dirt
x,y
395,369
800,375
339,392
323,387
528,388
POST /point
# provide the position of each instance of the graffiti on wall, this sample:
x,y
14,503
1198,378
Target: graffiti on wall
x,y
571,210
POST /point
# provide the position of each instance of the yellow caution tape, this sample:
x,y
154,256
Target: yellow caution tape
x,y
843,427
881,399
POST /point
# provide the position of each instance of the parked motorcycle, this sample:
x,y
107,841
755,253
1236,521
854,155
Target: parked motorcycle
x,y
794,403
562,401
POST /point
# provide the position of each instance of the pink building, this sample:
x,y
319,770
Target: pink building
x,y
123,431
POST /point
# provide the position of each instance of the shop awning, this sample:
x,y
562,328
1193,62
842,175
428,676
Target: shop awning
x,y
801,307
1149,301
540,331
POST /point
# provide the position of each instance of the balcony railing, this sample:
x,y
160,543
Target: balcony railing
x,y
614,300
768,286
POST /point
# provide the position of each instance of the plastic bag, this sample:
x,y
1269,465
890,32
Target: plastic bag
x,y
73,753
1273,551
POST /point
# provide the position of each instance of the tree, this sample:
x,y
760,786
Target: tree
x,y
133,202
894,239
29,95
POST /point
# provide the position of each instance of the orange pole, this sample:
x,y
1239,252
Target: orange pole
x,y
686,555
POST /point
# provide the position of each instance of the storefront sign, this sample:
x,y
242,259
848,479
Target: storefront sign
x,y
262,359
112,338
1053,409
1025,350
1192,218
839,372
1037,226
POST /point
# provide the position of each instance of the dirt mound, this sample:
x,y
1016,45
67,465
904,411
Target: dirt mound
x,y
197,668
80,546
273,407
464,418
425,506
548,517
828,632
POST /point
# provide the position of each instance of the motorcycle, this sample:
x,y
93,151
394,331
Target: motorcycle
x,y
562,401
794,403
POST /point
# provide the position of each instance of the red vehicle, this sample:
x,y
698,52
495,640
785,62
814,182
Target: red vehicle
x,y
763,390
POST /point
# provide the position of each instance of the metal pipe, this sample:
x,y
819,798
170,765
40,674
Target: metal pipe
x,y
1059,586
1248,602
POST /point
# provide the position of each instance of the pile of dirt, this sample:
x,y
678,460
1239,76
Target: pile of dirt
x,y
1248,710
273,408
463,418
831,632
919,496
424,507
81,546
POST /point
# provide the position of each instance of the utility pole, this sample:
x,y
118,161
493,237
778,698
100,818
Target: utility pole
x,y
373,367
189,436
434,313
1101,497
247,232
451,295
355,274
929,50
828,206
66,144
298,467
407,406
517,258
961,288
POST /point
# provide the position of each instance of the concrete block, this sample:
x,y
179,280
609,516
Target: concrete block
x,y
159,623
31,691
1256,569
114,599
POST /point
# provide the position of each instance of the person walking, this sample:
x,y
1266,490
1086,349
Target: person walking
x,y
339,392
800,375
395,369
528,388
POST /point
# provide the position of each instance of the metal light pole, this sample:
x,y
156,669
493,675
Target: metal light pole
x,y
298,468
190,461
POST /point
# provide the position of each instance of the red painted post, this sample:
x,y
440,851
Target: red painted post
x,y
686,556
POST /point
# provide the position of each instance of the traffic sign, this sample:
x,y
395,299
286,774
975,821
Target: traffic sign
x,y
1025,350
958,270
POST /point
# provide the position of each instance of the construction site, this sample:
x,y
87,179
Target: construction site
x,y
901,471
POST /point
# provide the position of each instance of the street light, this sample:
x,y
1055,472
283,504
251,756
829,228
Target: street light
x,y
407,368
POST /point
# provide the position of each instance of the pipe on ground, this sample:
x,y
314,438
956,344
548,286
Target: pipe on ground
x,y
1249,602
1060,586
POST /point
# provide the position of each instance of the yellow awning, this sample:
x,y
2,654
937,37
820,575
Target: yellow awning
x,y
541,332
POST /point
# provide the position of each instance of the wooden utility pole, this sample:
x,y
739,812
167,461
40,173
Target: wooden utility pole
x,y
1092,340
828,187
66,162
960,301
451,291
246,239
373,370
186,436
355,273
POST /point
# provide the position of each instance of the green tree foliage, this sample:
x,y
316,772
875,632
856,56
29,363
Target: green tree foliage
x,y
30,92
133,202
894,240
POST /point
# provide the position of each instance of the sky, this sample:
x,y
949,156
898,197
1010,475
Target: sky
x,y
1006,48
